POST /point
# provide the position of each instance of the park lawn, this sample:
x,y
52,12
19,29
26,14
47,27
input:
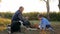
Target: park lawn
x,y
52,22
55,24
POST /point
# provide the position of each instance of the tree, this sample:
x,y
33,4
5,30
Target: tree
x,y
48,8
0,0
59,5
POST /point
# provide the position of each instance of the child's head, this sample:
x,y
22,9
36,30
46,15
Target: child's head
x,y
40,16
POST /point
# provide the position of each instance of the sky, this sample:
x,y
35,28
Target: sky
x,y
29,5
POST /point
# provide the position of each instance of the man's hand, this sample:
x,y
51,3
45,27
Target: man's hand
x,y
21,22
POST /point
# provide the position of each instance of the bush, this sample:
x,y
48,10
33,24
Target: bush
x,y
4,21
6,15
55,16
33,15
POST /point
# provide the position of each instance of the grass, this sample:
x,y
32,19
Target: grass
x,y
55,25
4,22
52,22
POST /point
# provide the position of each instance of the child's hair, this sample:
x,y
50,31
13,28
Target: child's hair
x,y
40,15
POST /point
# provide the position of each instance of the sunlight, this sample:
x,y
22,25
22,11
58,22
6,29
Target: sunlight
x,y
29,5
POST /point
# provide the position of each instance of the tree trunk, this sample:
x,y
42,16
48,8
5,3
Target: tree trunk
x,y
59,5
48,9
0,0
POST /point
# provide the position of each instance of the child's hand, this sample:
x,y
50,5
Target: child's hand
x,y
36,25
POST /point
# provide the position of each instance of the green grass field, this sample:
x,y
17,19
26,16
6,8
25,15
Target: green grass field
x,y
52,22
55,25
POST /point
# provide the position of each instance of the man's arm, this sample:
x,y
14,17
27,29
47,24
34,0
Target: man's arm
x,y
21,17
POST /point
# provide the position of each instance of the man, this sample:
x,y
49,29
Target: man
x,y
15,25
44,24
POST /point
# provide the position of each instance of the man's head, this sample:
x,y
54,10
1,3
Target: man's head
x,y
21,9
40,16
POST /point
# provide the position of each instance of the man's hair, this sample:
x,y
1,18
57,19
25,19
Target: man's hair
x,y
21,7
40,15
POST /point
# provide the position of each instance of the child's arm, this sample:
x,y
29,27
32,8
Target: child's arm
x,y
43,25
40,25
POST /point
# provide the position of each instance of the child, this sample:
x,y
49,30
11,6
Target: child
x,y
44,24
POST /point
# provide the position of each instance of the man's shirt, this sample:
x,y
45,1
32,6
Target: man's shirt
x,y
17,16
